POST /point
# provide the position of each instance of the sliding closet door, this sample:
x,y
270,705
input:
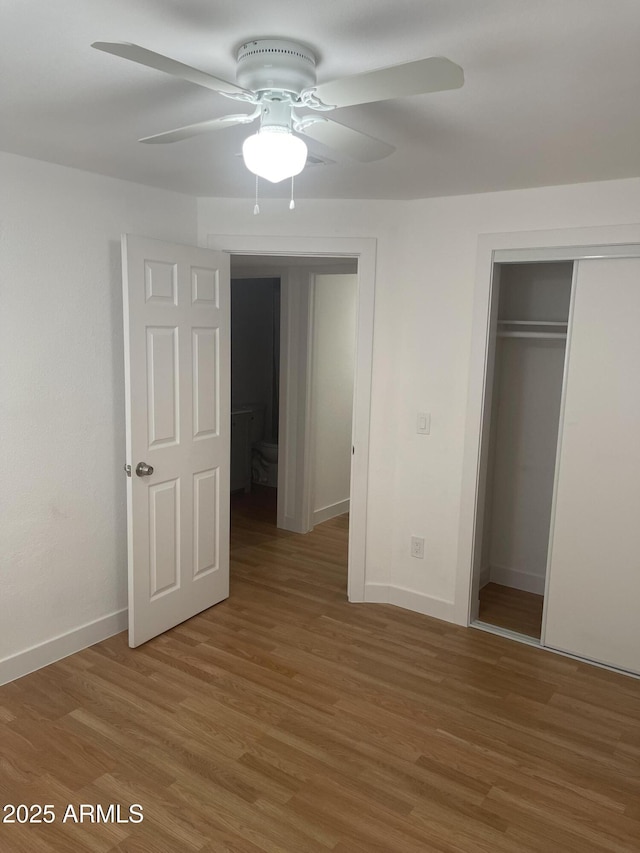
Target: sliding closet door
x,y
593,592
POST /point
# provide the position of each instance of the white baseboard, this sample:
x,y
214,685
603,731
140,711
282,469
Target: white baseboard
x,y
332,511
485,576
61,647
409,599
293,525
526,581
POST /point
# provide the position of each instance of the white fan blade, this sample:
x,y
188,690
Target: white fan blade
x,y
398,81
194,129
357,145
170,66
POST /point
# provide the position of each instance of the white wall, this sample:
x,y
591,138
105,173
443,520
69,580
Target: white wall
x,y
435,348
63,520
426,267
333,365
528,388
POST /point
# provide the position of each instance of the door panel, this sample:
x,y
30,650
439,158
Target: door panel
x,y
177,366
594,571
206,499
163,389
164,537
206,383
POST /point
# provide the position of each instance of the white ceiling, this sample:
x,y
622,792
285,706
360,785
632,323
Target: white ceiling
x,y
550,96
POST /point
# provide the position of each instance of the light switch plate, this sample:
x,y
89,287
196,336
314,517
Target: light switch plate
x,y
423,423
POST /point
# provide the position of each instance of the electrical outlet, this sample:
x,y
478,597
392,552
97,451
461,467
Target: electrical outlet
x,y
417,547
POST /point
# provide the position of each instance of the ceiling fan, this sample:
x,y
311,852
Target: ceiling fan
x,y
278,79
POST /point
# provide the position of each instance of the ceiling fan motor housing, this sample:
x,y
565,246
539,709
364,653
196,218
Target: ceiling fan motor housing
x,y
272,64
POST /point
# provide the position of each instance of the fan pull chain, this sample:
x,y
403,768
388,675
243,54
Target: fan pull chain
x,y
292,204
256,207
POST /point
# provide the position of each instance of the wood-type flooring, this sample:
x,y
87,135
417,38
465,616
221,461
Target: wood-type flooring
x,y
286,720
512,609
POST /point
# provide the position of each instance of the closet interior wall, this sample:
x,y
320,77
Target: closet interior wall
x,y
533,311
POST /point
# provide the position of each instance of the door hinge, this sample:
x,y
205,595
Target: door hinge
x,y
127,469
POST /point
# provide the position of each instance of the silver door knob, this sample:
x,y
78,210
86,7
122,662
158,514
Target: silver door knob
x,y
144,470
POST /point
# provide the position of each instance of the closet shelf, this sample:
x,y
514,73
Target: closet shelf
x,y
533,323
541,329
557,336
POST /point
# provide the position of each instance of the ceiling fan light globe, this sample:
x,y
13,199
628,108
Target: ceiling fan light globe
x,y
274,154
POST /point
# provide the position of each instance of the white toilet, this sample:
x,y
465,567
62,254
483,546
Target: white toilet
x,y
264,454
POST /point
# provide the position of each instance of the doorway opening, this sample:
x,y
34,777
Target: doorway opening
x,y
293,341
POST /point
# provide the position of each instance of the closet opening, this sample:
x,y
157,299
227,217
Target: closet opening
x,y
523,394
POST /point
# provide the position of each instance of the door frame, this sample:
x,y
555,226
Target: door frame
x,y
364,251
568,244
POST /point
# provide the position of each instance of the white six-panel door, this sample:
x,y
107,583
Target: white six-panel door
x,y
593,587
177,368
